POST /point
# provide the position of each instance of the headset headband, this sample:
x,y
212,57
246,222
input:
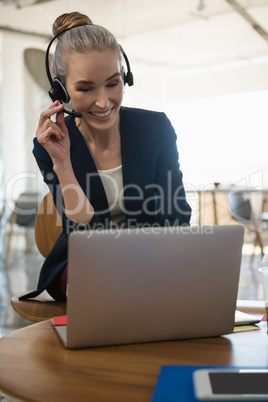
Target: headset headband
x,y
128,77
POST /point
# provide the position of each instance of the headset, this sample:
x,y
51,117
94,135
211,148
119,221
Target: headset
x,y
58,90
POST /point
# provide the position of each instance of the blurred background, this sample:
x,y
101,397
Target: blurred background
x,y
203,62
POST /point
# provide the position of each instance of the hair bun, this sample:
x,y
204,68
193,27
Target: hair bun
x,y
69,20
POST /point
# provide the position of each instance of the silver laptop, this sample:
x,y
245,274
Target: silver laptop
x,y
151,284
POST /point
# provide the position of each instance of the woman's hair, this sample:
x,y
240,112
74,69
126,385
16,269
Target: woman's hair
x,y
84,37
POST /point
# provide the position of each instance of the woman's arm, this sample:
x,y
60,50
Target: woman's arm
x,y
54,138
175,209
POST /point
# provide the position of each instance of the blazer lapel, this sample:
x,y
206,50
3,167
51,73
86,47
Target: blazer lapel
x,y
133,169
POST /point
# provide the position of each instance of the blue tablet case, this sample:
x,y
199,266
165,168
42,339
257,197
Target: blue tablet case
x,y
175,383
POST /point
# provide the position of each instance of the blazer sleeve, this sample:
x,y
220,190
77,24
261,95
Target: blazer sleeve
x,y
45,165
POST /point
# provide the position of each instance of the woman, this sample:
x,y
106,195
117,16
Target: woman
x,y
112,166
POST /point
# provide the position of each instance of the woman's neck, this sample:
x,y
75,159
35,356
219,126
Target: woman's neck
x,y
101,139
104,146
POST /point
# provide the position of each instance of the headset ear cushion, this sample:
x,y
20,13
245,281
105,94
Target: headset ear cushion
x,y
127,77
59,92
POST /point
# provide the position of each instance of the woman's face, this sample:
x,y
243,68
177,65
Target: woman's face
x,y
95,85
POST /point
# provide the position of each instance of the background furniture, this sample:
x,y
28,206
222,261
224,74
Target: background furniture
x,y
47,229
23,215
241,210
229,204
115,373
39,309
47,226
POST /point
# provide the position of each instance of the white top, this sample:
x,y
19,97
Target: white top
x,y
112,181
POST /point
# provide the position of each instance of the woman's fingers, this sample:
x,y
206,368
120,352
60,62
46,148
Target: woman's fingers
x,y
53,135
50,129
50,111
61,122
47,128
45,116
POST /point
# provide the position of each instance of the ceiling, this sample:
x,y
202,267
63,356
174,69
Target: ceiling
x,y
20,3
176,34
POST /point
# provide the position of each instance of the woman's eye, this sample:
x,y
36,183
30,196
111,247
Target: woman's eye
x,y
83,89
113,84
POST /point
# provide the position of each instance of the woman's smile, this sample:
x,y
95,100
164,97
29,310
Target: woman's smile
x,y
102,115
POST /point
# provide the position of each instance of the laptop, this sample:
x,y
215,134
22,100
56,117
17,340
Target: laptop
x,y
151,284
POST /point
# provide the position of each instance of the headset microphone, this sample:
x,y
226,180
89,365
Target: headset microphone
x,y
58,90
72,113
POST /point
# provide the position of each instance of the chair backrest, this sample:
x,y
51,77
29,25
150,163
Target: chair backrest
x,y
47,225
239,207
47,229
25,209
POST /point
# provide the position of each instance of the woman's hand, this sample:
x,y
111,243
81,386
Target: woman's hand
x,y
54,136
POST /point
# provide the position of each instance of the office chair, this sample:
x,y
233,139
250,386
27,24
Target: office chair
x,y
47,228
241,210
23,215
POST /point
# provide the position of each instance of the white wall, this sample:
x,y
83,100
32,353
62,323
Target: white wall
x,y
20,103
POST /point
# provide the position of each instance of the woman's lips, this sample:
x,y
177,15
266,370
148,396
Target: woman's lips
x,y
102,115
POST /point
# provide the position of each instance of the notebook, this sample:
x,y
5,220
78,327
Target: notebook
x,y
151,284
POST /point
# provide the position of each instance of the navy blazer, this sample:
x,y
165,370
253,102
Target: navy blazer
x,y
152,181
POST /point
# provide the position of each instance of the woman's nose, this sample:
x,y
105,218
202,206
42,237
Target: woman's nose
x,y
102,99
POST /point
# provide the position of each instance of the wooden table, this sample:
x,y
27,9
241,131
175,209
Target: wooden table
x,y
35,366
